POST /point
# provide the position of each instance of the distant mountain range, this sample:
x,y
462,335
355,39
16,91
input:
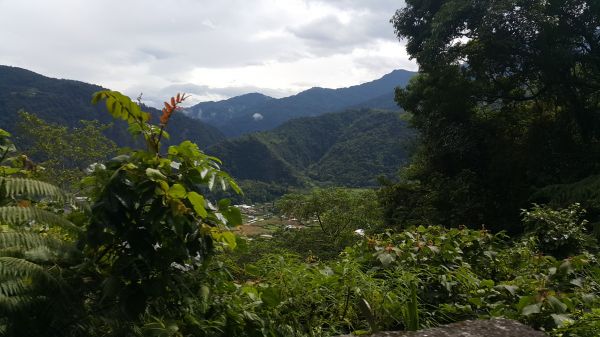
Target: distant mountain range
x,y
307,143
66,102
256,112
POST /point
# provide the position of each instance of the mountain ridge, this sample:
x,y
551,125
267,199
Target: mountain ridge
x,y
311,146
66,102
312,102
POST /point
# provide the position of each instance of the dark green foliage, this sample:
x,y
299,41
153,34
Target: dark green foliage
x,y
560,233
420,277
467,273
585,191
329,218
587,325
405,204
375,144
304,141
236,116
149,221
37,254
506,102
66,102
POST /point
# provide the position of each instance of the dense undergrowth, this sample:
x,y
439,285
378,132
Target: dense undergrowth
x,y
419,277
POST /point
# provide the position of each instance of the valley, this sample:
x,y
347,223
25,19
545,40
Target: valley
x,y
319,137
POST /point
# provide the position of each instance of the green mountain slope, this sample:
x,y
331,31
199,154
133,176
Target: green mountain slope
x,y
66,102
374,144
304,141
349,148
251,158
221,112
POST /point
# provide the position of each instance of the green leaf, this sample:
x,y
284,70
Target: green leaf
x,y
476,300
234,186
177,191
561,320
121,106
386,259
531,309
488,284
211,181
557,305
578,282
224,204
231,213
229,238
434,249
134,129
510,288
12,187
197,201
15,215
111,287
155,175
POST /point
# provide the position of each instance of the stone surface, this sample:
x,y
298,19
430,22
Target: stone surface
x,y
478,328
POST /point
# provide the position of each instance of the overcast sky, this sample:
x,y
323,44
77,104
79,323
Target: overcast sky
x,y
212,49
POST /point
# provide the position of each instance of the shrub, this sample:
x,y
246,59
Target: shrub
x,y
559,232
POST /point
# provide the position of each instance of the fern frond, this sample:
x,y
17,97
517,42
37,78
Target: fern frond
x,y
11,267
14,287
44,255
9,304
15,215
22,240
12,187
11,252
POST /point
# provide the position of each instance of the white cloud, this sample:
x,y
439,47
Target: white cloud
x,y
216,47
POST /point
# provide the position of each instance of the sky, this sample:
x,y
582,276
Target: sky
x,y
211,49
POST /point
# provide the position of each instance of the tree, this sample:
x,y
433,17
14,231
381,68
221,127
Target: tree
x,y
337,211
37,254
150,222
507,101
63,153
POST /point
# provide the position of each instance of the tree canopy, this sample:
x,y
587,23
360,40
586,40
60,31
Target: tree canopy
x,y
507,101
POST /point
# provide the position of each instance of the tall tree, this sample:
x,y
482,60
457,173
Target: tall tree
x,y
508,101
62,152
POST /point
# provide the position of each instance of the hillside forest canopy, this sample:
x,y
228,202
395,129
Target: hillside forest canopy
x,y
492,209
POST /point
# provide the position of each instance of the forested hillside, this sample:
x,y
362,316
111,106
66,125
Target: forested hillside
x,y
66,102
255,112
349,148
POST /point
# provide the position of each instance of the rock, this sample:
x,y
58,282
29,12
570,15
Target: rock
x,y
478,328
